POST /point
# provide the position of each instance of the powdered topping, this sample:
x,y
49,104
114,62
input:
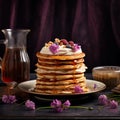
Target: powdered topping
x,y
61,46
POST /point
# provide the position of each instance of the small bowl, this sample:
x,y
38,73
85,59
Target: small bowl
x,y
109,75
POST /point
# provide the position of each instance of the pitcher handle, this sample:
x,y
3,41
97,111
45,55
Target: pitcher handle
x,y
2,41
0,62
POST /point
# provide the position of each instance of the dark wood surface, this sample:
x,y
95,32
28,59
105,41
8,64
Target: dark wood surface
x,y
17,111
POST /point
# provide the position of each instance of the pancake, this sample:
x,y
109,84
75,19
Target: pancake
x,y
59,82
59,77
60,57
59,62
59,67
82,69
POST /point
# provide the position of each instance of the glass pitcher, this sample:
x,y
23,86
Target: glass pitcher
x,y
15,65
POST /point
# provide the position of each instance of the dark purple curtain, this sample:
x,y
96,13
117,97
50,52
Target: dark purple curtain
x,y
94,24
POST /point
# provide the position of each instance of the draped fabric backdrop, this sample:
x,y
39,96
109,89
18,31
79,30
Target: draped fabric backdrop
x,y
94,24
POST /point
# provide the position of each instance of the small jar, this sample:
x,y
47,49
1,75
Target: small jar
x,y
109,75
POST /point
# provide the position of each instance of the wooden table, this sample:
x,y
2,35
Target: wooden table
x,y
16,111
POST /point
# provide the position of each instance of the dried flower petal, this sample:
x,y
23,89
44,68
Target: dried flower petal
x,y
12,98
103,100
66,104
9,99
5,99
30,105
56,103
78,89
76,47
95,86
54,48
113,104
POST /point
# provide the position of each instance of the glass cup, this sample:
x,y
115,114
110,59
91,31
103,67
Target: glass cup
x,y
109,75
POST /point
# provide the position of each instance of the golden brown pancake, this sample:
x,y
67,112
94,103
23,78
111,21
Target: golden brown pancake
x,y
60,57
58,67
60,62
60,72
60,82
59,77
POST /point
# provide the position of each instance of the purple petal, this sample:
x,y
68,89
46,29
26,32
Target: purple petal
x,y
76,47
95,86
54,48
30,105
56,103
78,89
9,99
113,104
5,99
103,100
66,104
12,98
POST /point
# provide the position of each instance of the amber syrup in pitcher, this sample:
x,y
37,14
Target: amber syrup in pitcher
x,y
15,65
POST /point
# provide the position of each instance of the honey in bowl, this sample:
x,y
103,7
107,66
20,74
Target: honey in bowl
x,y
110,75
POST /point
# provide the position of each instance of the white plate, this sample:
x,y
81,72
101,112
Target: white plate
x,y
28,87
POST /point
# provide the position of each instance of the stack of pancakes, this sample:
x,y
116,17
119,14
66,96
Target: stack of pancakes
x,y
59,74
